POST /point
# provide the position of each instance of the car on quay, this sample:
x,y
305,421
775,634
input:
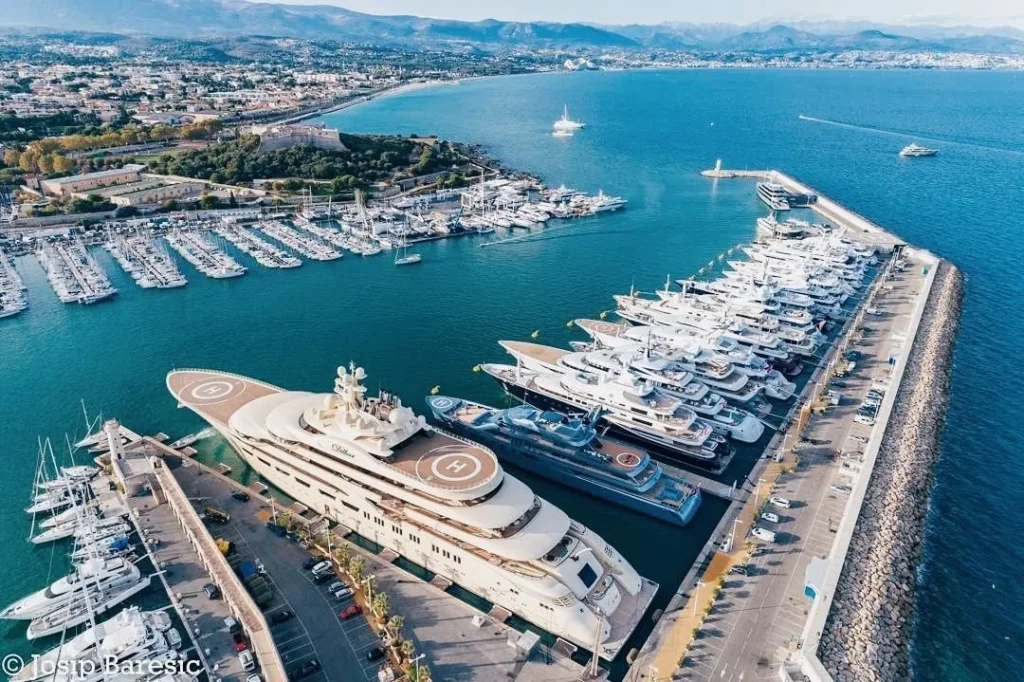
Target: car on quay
x,y
239,641
310,563
281,616
247,660
240,495
763,534
350,611
865,419
304,670
321,568
738,569
375,654
770,517
212,591
780,502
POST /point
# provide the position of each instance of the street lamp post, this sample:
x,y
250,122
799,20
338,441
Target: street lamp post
x,y
696,596
416,663
757,492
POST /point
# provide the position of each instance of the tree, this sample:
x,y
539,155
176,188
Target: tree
x,y
342,553
125,212
62,164
209,201
408,648
380,604
28,160
45,163
11,157
355,568
396,623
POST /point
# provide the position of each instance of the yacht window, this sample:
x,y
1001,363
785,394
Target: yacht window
x,y
587,575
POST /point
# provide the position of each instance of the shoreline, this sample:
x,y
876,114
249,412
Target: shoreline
x,y
380,94
867,635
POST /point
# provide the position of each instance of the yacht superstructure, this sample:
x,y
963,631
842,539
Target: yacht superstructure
x,y
441,501
565,123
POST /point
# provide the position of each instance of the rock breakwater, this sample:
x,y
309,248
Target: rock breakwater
x,y
867,635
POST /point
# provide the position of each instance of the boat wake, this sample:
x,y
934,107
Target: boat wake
x,y
907,134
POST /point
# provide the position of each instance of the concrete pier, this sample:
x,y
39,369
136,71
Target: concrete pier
x,y
710,631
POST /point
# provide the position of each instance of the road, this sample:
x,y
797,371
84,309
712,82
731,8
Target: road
x,y
759,617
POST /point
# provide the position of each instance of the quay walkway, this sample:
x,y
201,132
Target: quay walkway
x,y
723,625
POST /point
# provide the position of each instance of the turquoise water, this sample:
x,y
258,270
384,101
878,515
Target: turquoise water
x,y
648,135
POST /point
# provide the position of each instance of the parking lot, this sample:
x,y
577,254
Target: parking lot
x,y
315,631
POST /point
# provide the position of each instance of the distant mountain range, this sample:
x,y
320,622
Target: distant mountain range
x,y
225,18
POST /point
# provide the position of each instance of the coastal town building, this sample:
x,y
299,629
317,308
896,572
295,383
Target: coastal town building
x,y
85,182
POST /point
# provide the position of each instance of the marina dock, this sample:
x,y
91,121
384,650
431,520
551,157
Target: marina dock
x,y
12,288
203,254
73,273
263,252
821,465
309,247
145,261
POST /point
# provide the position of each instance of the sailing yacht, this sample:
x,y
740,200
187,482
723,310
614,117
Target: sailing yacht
x,y
402,255
443,502
566,123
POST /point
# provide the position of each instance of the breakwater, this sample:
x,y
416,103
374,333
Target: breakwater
x,y
867,634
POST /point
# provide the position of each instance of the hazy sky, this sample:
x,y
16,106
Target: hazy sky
x,y
979,12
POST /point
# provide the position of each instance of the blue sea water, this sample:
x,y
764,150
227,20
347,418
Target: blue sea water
x,y
648,135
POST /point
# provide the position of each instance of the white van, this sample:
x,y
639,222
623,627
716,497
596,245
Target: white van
x,y
763,534
780,502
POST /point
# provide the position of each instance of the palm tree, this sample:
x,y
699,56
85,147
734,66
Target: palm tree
x,y
396,623
343,553
380,605
407,647
355,568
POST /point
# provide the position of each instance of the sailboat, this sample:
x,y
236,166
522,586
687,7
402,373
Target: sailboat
x,y
566,123
402,255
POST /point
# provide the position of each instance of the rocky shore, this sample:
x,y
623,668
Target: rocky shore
x,y
867,635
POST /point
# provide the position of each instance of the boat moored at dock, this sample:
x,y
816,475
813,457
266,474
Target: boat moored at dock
x,y
568,450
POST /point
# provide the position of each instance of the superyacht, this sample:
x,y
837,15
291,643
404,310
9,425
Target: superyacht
x,y
373,465
729,368
670,377
633,410
568,450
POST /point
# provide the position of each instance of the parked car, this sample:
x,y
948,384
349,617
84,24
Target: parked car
x,y
864,419
239,641
232,625
738,569
246,659
211,590
321,568
254,678
310,562
770,517
872,311
374,654
281,616
323,577
343,594
763,534
350,611
240,495
304,670
780,502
